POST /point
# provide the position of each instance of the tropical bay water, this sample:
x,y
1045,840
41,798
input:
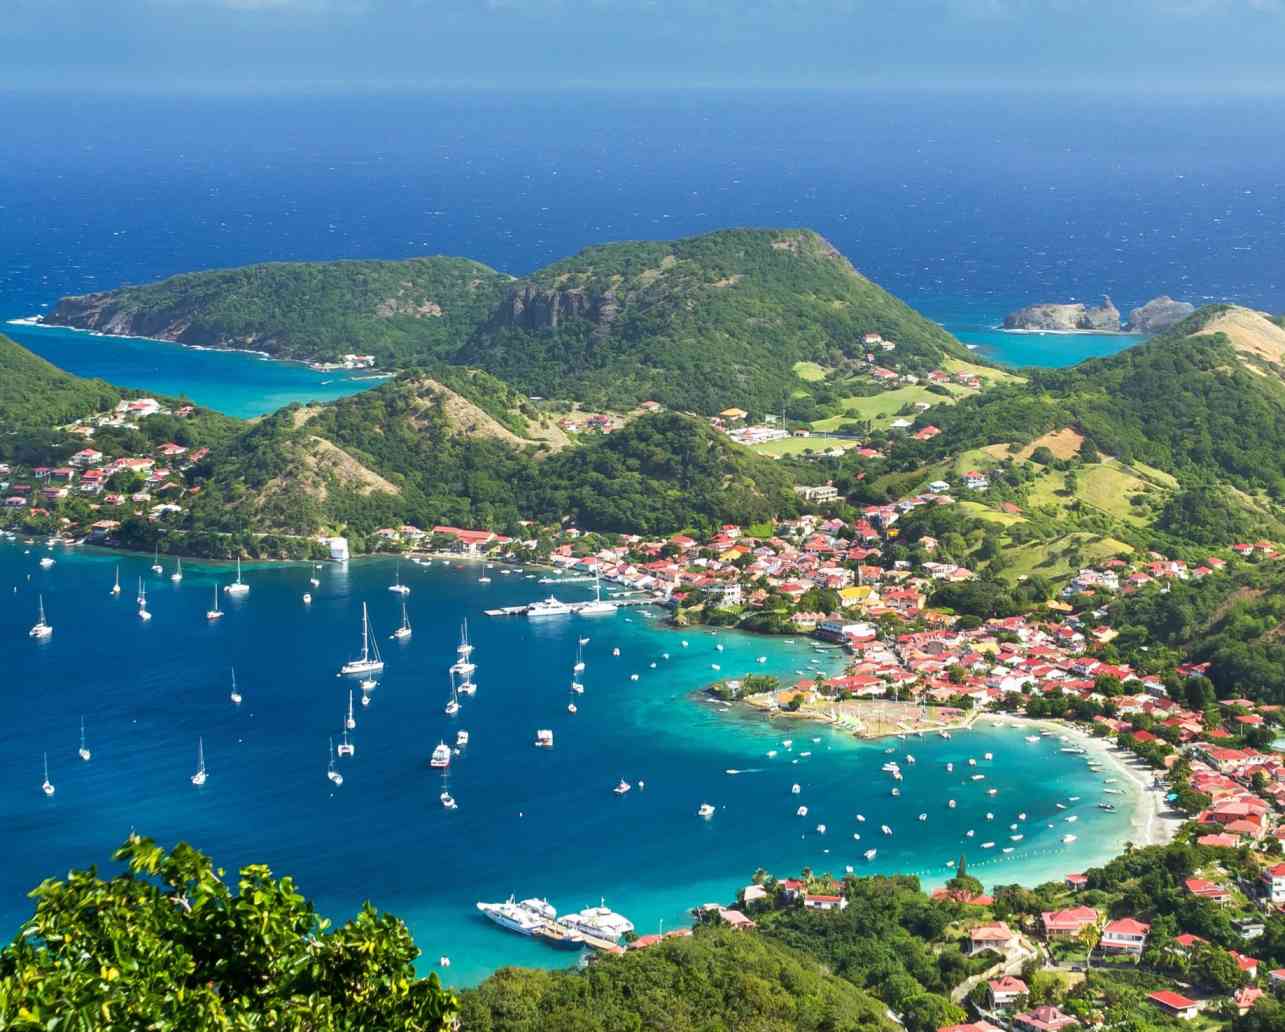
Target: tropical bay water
x,y
530,821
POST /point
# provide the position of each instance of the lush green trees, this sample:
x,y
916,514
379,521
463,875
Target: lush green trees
x,y
34,393
169,945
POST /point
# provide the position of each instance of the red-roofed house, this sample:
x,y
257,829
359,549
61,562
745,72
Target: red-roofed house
x,y
1274,883
1207,890
976,1026
1246,998
1174,1003
1124,936
993,935
819,901
1005,991
1076,882
1044,1019
1067,924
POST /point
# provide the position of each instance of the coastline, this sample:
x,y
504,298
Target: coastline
x,y
1069,333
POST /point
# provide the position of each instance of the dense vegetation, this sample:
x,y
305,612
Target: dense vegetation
x,y
168,945
34,393
403,312
699,324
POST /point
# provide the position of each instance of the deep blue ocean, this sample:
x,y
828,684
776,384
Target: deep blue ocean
x,y
965,206
530,821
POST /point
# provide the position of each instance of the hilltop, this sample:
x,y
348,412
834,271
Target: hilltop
x,y
36,393
699,324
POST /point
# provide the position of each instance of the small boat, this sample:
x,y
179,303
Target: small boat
x,y
787,743
156,561
633,677
571,707
1022,816
216,612
909,758
969,833
46,562
870,854
1007,849
923,817
861,818
83,752
235,695
979,777
1072,819
794,789
802,811
397,586
448,801
403,632
41,628
615,652
990,816
1109,807
335,777
177,575
992,791
441,756
544,739
1032,738
461,739
1016,838
885,829
622,786
1060,806
1068,839
715,666
198,779
988,756
896,791
238,586
351,723
705,810
972,762
116,586
950,768
761,659
820,829
46,786
950,803
1073,799
307,598
988,845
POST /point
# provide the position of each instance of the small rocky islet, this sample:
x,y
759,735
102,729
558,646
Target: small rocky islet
x,y
1157,314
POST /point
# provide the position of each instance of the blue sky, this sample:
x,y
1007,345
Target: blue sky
x,y
257,45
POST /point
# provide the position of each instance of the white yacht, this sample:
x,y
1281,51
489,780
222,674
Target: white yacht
x,y
177,575
622,786
216,612
599,922
46,786
235,694
83,752
871,854
512,916
461,739
198,779
549,607
41,629
448,800
705,810
370,660
403,632
441,756
238,586
335,777
307,598
544,739
597,607
116,586
885,829
802,811
397,585
464,651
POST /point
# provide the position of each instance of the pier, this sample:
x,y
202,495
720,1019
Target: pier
x,y
574,607
558,935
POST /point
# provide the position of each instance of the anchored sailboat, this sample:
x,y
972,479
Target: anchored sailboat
x,y
397,584
403,632
236,695
331,773
156,561
453,706
42,629
198,779
143,614
46,786
83,752
177,575
370,661
216,612
116,586
238,586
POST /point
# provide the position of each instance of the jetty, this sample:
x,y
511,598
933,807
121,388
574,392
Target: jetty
x,y
573,607
563,937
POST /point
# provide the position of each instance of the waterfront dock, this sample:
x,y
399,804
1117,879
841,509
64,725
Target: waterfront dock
x,y
560,936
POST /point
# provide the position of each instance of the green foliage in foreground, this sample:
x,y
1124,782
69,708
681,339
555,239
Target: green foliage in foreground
x,y
168,945
718,980
34,393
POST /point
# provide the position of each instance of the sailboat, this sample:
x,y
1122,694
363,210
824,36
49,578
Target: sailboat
x,y
238,586
351,721
370,661
198,779
46,786
447,799
346,748
236,695
397,584
142,597
116,586
313,579
331,773
143,614
177,575
156,561
83,752
464,664
216,612
453,706
579,665
597,607
41,628
403,632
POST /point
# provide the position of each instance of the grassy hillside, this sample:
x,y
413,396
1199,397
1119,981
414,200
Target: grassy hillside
x,y
701,323
34,393
402,312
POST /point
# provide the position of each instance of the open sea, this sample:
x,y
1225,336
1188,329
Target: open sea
x,y
965,206
530,821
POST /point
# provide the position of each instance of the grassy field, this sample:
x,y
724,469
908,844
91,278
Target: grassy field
x,y
1050,558
810,371
882,409
1106,486
982,512
801,445
958,365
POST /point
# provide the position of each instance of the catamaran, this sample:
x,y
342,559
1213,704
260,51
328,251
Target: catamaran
x,y
198,778
83,752
441,756
46,786
156,561
177,575
597,607
403,632
331,773
346,748
236,695
116,586
238,586
370,661
397,584
464,665
41,628
216,612
350,722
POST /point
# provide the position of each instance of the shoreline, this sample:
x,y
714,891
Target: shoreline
x,y
1071,333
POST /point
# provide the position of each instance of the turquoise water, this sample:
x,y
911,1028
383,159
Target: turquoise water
x,y
235,383
530,821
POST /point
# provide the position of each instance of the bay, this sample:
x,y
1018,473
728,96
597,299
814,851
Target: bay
x,y
530,821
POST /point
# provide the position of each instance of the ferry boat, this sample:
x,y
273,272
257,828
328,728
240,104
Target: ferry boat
x,y
41,629
599,922
238,586
370,660
441,756
597,607
551,606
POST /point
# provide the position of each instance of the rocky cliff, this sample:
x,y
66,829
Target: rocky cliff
x,y
1158,314
1066,318
532,308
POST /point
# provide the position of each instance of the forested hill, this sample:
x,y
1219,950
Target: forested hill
x,y
1205,399
699,324
402,312
34,393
